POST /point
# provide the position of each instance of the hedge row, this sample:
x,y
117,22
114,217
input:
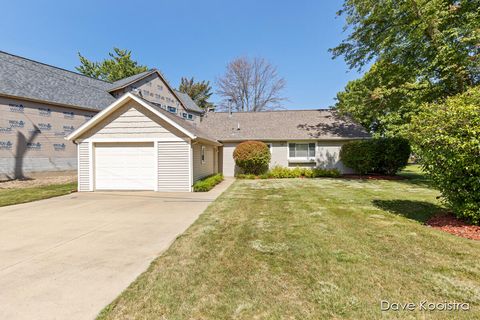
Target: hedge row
x,y
206,184
382,155
279,172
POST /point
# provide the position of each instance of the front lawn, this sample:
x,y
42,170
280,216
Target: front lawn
x,y
309,249
22,195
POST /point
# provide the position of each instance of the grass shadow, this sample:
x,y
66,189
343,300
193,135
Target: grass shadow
x,y
420,211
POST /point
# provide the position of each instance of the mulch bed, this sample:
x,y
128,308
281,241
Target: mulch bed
x,y
371,177
449,223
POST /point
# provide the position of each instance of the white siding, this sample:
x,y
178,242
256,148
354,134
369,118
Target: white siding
x,y
83,167
173,166
206,168
131,121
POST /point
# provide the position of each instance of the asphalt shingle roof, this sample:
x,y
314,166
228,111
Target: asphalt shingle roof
x,y
281,125
26,78
186,124
189,104
126,81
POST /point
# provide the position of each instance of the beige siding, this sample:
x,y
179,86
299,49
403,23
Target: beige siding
x,y
203,169
328,156
155,90
83,167
173,166
279,153
132,121
228,164
278,157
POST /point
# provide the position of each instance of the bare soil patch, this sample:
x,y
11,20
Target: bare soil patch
x,y
40,179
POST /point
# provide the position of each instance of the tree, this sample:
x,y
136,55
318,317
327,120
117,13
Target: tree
x,y
250,85
200,92
422,51
385,98
446,135
120,65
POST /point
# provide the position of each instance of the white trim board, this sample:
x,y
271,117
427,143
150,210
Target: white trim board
x,y
171,139
117,104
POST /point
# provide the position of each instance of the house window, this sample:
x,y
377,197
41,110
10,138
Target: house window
x,y
171,109
187,116
303,151
203,154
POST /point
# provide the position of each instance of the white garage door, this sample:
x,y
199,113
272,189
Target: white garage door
x,y
124,166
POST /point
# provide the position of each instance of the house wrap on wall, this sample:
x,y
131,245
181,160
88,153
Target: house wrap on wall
x,y
140,134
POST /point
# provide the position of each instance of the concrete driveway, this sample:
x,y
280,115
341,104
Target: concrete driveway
x,y
68,257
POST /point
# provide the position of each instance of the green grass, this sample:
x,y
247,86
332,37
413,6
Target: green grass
x,y
309,249
15,196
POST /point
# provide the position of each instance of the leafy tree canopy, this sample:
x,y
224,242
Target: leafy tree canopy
x,y
119,65
420,51
200,92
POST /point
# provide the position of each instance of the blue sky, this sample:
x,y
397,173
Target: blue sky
x,y
189,38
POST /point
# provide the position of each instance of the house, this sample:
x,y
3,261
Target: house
x,y
146,136
40,104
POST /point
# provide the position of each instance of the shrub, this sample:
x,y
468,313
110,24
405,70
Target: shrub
x,y
206,184
358,155
446,137
252,157
279,172
319,172
381,155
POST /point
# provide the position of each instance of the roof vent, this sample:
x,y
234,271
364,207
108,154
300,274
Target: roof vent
x,y
137,92
238,125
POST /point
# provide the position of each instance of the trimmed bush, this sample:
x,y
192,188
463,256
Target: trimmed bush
x,y
447,140
279,172
359,156
382,155
206,184
252,157
392,154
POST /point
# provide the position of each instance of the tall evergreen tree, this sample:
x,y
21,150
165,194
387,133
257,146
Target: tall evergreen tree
x,y
119,65
200,91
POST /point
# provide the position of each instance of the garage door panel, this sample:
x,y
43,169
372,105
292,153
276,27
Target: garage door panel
x,y
124,166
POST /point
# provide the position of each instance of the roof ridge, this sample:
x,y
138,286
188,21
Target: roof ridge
x,y
267,111
55,67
